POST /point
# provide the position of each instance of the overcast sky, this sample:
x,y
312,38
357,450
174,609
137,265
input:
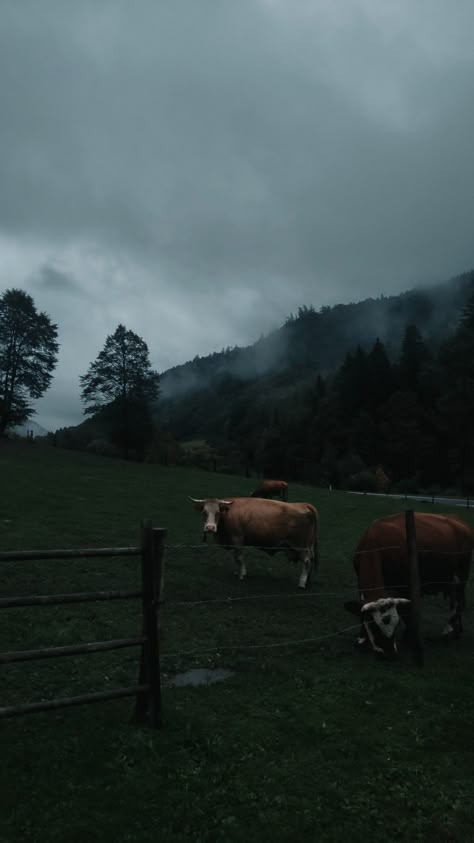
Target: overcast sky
x,y
198,169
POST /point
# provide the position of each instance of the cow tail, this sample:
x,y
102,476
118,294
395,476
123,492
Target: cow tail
x,y
315,539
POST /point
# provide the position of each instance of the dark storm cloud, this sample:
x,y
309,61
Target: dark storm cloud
x,y
52,280
200,169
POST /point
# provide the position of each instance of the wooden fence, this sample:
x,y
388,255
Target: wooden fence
x,y
148,689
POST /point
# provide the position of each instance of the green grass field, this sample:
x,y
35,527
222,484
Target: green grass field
x,y
309,742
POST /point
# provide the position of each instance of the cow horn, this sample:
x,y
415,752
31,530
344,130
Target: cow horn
x,y
196,500
225,503
401,601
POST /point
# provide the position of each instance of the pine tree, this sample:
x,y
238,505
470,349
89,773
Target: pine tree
x,y
381,379
413,355
456,403
352,381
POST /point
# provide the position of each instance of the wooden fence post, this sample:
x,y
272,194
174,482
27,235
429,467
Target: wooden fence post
x,y
152,579
159,537
414,588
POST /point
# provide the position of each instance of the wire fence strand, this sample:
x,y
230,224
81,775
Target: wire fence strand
x,y
298,596
275,548
231,647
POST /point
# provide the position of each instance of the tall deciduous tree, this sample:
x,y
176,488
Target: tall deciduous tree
x,y
28,355
122,386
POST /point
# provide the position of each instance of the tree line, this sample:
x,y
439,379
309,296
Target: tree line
x,y
397,418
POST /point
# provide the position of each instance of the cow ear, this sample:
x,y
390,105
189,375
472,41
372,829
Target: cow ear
x,y
353,606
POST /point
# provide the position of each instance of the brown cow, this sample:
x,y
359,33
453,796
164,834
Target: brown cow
x,y
268,525
444,543
272,489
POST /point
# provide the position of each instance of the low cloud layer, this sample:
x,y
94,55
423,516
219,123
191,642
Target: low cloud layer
x,y
199,170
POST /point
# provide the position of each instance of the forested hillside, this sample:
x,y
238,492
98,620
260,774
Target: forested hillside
x,y
320,338
360,395
373,395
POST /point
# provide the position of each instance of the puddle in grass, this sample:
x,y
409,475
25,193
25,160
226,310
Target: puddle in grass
x,y
199,676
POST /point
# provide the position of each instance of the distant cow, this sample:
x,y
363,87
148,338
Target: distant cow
x,y
272,489
268,525
444,544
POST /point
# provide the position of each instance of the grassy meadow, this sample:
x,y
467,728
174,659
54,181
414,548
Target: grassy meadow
x,y
310,741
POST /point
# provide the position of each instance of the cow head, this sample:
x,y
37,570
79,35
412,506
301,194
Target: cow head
x,y
380,620
212,508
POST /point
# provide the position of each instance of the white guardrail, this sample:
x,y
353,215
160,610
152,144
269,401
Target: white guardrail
x,y
465,502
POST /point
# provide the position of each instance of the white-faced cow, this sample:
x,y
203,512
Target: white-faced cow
x,y
444,544
265,524
272,489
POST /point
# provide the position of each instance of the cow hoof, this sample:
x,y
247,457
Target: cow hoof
x,y
448,633
386,655
453,635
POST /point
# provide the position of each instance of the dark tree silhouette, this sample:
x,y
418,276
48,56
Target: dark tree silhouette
x,y
121,387
28,355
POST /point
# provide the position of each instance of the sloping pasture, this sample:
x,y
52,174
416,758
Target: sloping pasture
x,y
309,741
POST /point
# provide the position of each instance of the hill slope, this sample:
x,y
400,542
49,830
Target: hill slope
x,y
229,382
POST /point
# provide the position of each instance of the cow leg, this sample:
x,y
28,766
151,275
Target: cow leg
x,y
305,576
411,636
362,641
454,627
408,635
239,558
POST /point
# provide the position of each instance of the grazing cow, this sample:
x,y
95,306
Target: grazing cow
x,y
268,525
272,489
444,543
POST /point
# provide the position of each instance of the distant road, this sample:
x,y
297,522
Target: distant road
x,y
465,502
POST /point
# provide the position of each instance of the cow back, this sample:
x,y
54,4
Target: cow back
x,y
271,488
444,546
268,523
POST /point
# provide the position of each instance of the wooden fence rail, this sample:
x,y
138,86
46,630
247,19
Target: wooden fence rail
x,y
58,599
80,553
148,689
68,650
66,702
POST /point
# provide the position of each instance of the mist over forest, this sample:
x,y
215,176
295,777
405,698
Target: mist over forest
x,y
321,338
374,395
